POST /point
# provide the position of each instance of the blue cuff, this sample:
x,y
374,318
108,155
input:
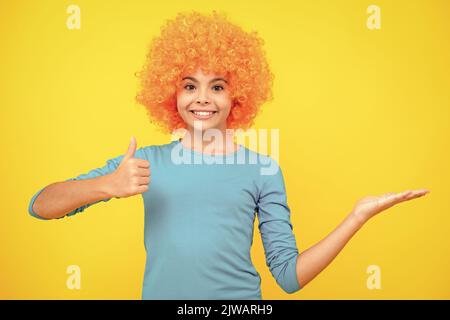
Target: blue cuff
x,y
30,207
293,285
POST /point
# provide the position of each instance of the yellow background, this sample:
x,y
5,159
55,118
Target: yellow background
x,y
360,112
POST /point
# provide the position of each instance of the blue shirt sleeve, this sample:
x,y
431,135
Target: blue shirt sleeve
x,y
110,166
277,231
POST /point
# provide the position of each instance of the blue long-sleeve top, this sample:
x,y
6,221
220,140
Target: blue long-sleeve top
x,y
199,216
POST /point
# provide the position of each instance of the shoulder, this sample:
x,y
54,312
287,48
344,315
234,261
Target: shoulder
x,y
267,165
266,172
154,150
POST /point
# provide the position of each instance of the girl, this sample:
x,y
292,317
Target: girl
x,y
204,74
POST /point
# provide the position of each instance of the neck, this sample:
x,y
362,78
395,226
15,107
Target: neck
x,y
219,141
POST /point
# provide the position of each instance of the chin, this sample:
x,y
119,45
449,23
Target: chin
x,y
206,126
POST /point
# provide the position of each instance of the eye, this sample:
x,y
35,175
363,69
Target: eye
x,y
218,88
189,87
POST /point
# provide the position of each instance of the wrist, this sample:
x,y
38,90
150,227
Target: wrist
x,y
357,220
106,185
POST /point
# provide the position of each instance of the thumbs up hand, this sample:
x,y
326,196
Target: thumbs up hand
x,y
132,176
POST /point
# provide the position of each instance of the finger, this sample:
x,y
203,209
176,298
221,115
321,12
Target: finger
x,y
143,163
143,180
408,195
143,188
404,194
391,198
389,194
131,148
143,172
417,193
401,196
388,199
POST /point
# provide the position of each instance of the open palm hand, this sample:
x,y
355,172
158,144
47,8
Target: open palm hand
x,y
369,206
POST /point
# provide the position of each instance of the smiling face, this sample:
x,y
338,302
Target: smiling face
x,y
206,98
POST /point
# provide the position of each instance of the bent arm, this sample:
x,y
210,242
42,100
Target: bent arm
x,y
58,199
277,230
313,260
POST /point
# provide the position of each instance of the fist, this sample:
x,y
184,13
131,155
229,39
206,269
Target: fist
x,y
132,176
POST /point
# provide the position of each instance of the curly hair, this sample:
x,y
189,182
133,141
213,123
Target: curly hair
x,y
212,43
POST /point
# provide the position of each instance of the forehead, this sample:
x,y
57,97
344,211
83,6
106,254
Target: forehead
x,y
201,76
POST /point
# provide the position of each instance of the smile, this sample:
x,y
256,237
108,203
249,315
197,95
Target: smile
x,y
203,115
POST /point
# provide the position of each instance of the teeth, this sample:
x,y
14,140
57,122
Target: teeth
x,y
203,113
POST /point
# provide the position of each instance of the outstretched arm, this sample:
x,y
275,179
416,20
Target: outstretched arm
x,y
313,260
122,176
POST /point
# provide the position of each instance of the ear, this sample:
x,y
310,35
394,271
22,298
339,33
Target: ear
x,y
234,103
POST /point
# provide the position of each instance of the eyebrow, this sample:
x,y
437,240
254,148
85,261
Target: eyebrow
x,y
195,80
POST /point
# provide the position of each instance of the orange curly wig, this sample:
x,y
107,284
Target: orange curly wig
x,y
212,43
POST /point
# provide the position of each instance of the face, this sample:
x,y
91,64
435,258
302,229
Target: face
x,y
204,98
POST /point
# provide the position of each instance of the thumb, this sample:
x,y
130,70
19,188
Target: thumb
x,y
131,148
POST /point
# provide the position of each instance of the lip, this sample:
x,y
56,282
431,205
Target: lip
x,y
203,117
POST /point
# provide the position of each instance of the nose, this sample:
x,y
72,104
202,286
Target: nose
x,y
202,99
